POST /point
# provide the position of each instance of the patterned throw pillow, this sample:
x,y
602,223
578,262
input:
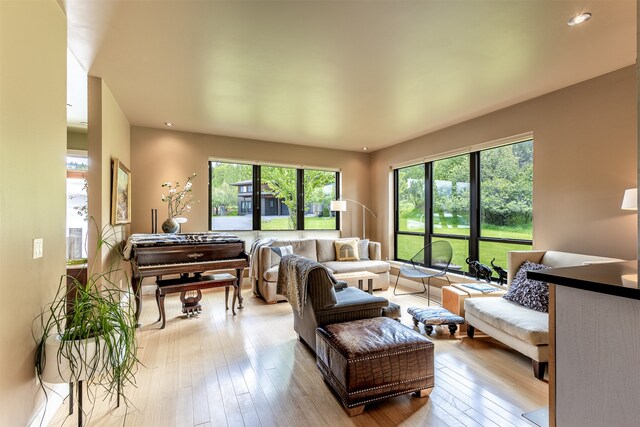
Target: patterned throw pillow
x,y
281,251
346,250
363,249
529,293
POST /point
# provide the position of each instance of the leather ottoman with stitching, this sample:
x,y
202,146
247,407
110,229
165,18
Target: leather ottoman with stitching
x,y
372,359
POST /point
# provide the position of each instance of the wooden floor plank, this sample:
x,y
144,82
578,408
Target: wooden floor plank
x,y
217,369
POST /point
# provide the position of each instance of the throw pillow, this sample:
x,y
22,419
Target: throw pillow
x,y
346,250
363,249
281,251
529,293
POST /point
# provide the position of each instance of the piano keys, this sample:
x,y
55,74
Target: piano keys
x,y
189,253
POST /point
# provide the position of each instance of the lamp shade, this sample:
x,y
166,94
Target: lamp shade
x,y
630,200
338,206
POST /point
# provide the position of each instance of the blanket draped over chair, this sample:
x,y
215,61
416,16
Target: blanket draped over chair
x,y
292,279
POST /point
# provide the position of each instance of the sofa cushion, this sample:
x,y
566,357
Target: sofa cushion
x,y
532,294
279,252
271,275
302,247
377,267
557,259
363,249
528,325
346,250
326,250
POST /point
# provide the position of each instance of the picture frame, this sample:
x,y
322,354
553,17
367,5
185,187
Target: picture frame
x,y
120,193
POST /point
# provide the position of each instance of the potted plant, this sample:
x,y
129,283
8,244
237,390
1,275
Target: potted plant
x,y
87,333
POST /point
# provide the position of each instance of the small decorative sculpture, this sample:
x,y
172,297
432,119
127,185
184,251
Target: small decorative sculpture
x,y
502,273
480,271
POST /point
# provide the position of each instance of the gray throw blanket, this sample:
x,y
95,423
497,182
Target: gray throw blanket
x,y
292,279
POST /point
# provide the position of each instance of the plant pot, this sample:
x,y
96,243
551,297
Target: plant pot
x,y
78,360
170,226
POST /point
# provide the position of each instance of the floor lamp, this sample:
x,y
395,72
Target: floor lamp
x,y
340,205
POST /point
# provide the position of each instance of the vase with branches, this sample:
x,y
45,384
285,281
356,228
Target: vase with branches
x,y
179,200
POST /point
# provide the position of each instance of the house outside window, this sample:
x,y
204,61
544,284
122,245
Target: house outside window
x,y
287,199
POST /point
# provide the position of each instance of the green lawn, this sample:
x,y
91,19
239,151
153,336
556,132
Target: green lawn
x,y
310,223
408,246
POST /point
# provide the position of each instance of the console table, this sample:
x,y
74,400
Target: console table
x,y
594,344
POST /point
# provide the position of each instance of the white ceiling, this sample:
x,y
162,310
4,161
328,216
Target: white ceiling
x,y
340,74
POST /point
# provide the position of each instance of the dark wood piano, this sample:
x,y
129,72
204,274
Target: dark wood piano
x,y
155,255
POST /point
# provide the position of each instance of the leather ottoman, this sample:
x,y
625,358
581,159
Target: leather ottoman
x,y
373,359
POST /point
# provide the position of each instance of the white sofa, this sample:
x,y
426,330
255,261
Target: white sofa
x,y
323,251
521,328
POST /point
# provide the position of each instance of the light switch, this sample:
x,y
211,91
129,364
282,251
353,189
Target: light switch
x,y
38,248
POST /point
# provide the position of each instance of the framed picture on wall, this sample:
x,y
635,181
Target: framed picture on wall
x,y
120,193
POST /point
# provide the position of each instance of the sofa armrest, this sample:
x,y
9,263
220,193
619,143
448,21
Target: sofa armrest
x,y
340,285
375,251
516,258
264,261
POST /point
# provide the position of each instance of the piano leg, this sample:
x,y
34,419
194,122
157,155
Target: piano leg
x,y
239,274
135,286
158,304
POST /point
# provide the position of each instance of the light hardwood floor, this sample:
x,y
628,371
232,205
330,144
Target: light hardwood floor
x,y
218,369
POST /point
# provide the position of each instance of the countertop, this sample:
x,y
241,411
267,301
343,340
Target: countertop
x,y
603,278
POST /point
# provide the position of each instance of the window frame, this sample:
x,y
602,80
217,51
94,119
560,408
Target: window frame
x,y
474,238
257,195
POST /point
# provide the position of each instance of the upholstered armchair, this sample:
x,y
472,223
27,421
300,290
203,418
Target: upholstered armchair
x,y
329,301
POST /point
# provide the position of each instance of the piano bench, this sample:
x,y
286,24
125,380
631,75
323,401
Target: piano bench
x,y
191,305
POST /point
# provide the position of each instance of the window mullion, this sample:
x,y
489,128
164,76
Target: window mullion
x,y
300,199
474,223
428,210
256,197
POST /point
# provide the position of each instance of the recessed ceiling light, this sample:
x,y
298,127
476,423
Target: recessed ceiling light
x,y
168,124
365,148
579,19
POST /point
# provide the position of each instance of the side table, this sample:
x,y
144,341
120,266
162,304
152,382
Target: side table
x,y
360,276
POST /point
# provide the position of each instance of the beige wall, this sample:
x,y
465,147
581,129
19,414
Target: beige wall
x,y
109,138
161,155
32,200
584,159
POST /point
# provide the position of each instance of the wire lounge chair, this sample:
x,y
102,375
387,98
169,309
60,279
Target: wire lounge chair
x,y
440,253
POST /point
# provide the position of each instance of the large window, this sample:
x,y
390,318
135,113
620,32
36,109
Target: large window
x,y
254,197
481,203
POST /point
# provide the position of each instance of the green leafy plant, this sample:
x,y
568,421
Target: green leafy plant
x,y
87,332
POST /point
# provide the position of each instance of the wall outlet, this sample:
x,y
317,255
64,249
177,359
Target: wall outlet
x,y
38,245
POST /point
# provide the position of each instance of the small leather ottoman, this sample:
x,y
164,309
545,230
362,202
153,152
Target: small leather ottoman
x,y
373,359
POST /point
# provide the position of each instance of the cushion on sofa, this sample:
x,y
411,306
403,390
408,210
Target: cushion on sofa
x,y
363,249
346,250
271,275
528,325
303,247
377,267
279,252
326,250
532,294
